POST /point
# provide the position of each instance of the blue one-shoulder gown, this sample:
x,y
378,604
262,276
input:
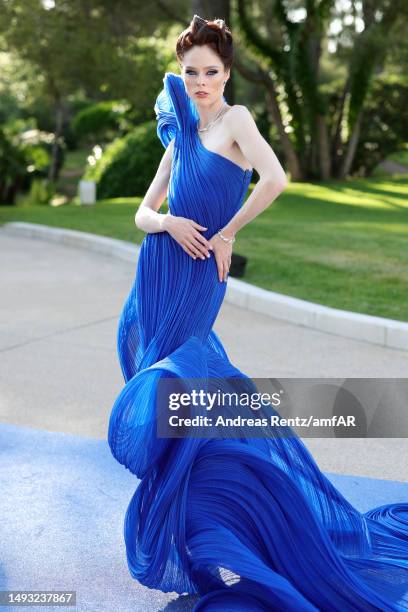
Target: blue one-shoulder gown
x,y
248,524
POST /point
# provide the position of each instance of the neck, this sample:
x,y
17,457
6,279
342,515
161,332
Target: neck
x,y
208,113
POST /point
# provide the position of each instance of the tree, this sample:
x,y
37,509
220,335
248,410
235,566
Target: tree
x,y
322,132
82,45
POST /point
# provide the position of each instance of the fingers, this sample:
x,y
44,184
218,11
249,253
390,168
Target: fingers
x,y
195,249
203,249
203,241
197,225
192,250
200,241
197,246
223,264
223,269
188,235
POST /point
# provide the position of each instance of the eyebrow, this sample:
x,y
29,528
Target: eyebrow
x,y
212,66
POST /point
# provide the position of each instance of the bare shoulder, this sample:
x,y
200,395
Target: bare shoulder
x,y
239,117
238,111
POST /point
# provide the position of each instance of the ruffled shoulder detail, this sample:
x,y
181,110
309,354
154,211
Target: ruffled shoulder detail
x,y
173,107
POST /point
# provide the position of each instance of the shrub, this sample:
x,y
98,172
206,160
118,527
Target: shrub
x,y
41,192
100,120
13,168
128,165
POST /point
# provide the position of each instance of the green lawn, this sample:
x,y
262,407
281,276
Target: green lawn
x,y
342,244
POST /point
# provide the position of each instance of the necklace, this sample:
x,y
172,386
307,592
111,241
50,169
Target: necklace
x,y
211,123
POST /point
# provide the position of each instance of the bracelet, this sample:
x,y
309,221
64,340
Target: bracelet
x,y
229,240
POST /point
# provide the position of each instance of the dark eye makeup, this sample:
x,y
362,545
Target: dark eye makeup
x,y
209,71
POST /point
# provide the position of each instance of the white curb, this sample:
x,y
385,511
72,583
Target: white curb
x,y
377,330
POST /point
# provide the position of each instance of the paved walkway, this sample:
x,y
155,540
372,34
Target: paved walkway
x,y
59,377
59,370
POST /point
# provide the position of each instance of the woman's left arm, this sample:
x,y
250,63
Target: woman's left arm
x,y
272,177
272,181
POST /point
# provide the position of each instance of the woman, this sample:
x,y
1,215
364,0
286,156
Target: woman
x,y
248,523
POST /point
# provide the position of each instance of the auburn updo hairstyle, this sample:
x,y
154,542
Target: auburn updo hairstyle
x,y
213,33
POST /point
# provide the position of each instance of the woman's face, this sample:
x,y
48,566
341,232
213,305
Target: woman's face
x,y
203,71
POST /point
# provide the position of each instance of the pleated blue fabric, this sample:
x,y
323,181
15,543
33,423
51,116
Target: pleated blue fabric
x,y
249,524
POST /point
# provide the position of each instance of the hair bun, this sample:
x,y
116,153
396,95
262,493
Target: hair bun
x,y
212,32
199,21
221,23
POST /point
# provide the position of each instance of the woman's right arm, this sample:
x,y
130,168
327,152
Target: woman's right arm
x,y
147,218
185,231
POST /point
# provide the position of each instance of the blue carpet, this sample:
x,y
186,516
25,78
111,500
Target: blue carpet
x,y
62,508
